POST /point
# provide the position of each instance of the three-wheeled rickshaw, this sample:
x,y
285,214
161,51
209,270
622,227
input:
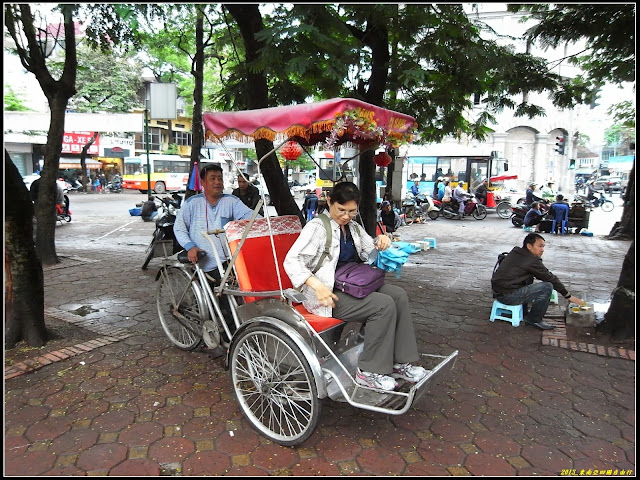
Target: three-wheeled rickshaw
x,y
283,360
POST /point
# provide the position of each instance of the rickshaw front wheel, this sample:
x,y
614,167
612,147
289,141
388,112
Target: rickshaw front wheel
x,y
274,385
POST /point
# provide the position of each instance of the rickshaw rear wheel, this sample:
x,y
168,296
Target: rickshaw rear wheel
x,y
274,385
173,283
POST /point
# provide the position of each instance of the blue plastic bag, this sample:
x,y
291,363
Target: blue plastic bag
x,y
392,259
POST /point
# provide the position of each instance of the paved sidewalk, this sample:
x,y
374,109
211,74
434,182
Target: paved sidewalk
x,y
518,401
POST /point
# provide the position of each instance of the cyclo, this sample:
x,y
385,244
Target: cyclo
x,y
283,360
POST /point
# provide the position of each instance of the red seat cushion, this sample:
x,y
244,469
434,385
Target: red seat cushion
x,y
255,265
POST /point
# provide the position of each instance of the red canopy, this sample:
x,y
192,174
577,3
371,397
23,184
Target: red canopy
x,y
503,177
312,123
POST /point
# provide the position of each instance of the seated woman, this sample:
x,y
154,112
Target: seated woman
x,y
390,219
389,339
533,216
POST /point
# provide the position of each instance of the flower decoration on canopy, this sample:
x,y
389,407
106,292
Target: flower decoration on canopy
x,y
291,150
382,159
363,127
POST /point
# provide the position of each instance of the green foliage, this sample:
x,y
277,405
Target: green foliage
x,y
172,149
607,28
13,102
105,82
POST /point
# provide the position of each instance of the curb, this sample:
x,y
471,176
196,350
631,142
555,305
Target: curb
x,y
109,335
558,338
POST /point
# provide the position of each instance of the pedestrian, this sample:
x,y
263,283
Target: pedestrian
x,y
102,178
310,204
513,281
389,336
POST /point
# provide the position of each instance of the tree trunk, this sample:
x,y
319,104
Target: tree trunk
x,y
619,321
377,38
249,21
625,229
197,70
24,290
58,93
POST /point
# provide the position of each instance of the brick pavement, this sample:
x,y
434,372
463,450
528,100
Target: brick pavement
x,y
129,403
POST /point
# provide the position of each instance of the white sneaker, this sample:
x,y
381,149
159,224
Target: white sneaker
x,y
375,380
406,371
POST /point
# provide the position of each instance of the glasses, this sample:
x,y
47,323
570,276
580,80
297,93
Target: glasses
x,y
342,213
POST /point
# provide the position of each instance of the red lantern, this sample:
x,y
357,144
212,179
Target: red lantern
x,y
291,150
382,159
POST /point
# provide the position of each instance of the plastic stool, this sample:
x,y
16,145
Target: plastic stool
x,y
508,313
431,242
554,297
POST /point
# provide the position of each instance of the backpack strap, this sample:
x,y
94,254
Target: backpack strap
x,y
327,243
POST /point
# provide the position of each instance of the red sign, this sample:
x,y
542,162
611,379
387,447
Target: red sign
x,y
73,142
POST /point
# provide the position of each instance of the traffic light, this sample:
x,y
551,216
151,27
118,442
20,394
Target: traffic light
x,y
560,145
572,164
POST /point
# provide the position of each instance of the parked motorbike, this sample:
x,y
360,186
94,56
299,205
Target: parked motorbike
x,y
599,201
472,207
414,208
114,187
164,243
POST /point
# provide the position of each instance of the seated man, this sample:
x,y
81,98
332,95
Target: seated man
x,y
481,191
533,216
390,219
209,210
248,193
530,195
512,282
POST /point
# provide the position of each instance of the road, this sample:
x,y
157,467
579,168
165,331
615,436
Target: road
x,y
105,218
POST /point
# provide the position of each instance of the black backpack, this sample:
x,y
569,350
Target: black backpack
x,y
500,258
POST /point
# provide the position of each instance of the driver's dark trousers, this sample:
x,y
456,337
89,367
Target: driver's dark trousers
x,y
389,335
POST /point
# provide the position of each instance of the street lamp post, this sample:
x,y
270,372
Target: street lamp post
x,y
146,140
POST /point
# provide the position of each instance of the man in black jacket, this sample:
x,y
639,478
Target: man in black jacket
x,y
248,193
512,282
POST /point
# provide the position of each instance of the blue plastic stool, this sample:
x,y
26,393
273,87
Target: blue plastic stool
x,y
431,242
554,297
508,313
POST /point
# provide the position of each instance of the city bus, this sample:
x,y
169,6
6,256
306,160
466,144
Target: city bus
x,y
168,173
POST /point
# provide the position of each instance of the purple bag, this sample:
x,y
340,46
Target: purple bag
x,y
358,279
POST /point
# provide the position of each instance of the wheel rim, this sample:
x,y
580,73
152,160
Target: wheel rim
x,y
448,212
173,283
159,188
274,386
607,206
433,215
504,210
479,212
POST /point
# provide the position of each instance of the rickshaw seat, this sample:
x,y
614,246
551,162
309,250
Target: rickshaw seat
x,y
255,267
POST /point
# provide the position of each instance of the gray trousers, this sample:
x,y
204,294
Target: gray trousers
x,y
389,335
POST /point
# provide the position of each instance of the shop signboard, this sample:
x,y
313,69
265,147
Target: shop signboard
x,y
74,142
